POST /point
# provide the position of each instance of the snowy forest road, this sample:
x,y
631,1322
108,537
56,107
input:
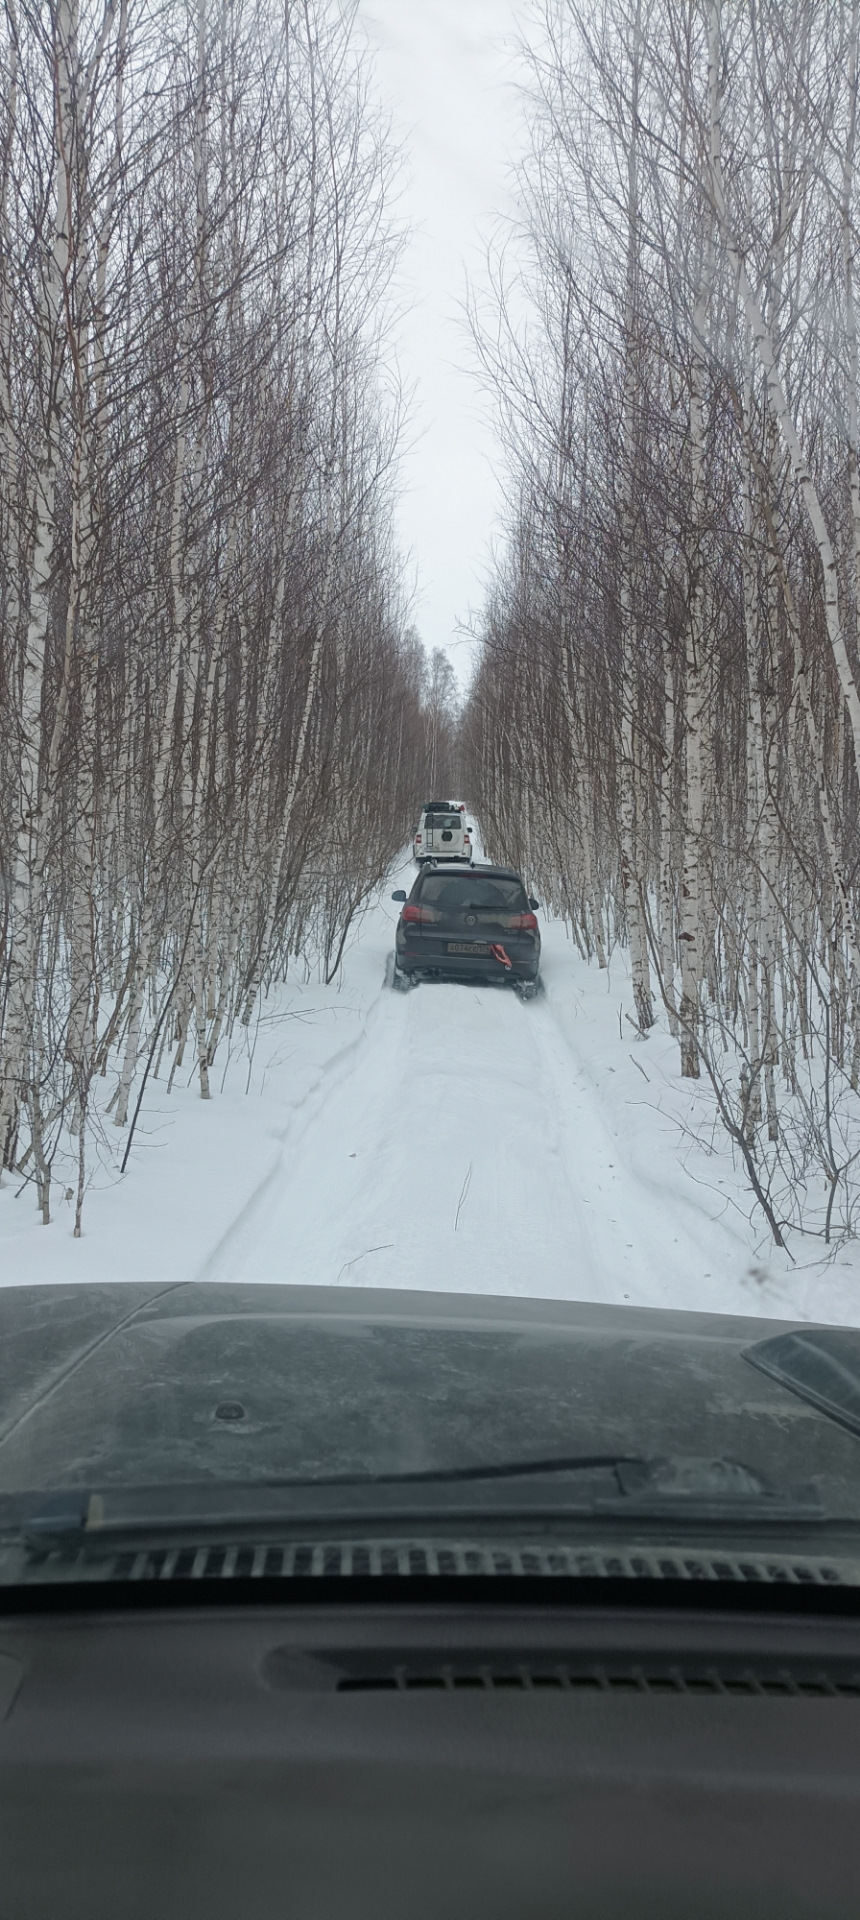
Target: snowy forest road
x,y
436,1160
471,1143
451,1138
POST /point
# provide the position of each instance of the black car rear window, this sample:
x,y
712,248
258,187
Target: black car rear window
x,y
443,820
457,891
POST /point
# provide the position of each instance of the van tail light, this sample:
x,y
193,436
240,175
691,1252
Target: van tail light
x,y
418,916
521,923
417,838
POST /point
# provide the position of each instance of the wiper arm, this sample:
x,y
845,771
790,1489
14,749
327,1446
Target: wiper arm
x,y
705,1485
483,1470
687,1477
615,1486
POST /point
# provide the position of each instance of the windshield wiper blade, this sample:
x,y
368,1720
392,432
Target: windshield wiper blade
x,y
481,1470
632,1471
627,1486
686,1477
708,1486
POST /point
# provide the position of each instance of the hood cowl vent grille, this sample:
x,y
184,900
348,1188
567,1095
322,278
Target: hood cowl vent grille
x,y
425,1560
775,1682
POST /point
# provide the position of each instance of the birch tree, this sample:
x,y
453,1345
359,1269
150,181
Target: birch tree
x,y
688,232
203,634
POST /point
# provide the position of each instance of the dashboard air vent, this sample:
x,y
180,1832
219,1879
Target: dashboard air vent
x,y
776,1682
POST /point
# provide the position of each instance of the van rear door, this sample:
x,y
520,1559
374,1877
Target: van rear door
x,y
444,835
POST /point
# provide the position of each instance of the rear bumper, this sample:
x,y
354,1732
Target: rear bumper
x,y
467,966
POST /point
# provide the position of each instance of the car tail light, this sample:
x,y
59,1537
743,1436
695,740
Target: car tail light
x,y
522,923
417,838
418,916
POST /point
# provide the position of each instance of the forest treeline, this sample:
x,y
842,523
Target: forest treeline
x,y
665,726
212,715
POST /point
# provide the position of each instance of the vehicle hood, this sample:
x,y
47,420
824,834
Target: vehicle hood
x,y
135,1385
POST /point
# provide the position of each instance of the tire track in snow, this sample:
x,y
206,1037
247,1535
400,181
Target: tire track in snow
x,y
461,1142
235,1249
431,1158
620,1265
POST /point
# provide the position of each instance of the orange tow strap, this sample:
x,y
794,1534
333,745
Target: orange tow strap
x,y
498,953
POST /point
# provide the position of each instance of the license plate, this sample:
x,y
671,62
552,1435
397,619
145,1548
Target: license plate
x,y
467,946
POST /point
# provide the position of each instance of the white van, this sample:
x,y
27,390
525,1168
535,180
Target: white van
x,y
442,834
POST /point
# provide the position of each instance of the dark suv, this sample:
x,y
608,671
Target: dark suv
x,y
475,925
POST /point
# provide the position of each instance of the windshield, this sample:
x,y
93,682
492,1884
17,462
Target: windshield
x,y
412,414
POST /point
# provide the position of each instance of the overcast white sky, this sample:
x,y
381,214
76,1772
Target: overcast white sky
x,y
444,70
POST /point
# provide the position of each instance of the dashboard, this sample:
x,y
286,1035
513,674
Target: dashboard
x,y
414,1762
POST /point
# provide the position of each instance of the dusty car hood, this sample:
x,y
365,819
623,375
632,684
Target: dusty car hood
x,y
133,1385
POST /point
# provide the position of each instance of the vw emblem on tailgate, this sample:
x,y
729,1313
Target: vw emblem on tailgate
x,y
470,919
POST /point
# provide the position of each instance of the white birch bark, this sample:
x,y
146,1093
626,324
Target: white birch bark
x,y
690,930
178,598
630,875
93,369
26,879
755,781
10,452
668,951
285,822
782,414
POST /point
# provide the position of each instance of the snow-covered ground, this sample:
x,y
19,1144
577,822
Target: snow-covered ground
x,y
450,1138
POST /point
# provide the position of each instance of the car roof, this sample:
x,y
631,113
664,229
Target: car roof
x,y
487,872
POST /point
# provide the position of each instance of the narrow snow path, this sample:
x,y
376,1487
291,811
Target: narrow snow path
x,y
438,1160
470,1143
452,1139
461,1144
